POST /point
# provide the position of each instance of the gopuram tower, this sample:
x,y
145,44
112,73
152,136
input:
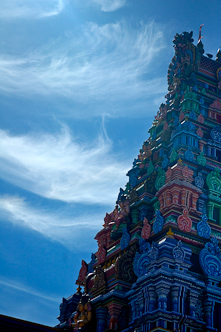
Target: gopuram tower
x,y
158,263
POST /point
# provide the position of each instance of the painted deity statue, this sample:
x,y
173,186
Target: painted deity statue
x,y
82,317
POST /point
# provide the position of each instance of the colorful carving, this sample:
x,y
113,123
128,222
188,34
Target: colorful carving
x,y
173,156
83,315
201,160
160,180
200,118
83,271
91,264
124,242
146,230
199,132
203,229
210,259
150,168
158,223
165,161
213,181
101,253
199,181
215,134
184,222
189,154
143,258
124,266
178,252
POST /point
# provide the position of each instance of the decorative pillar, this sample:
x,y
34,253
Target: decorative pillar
x,y
143,212
210,207
135,216
114,311
175,294
101,314
162,292
208,309
152,299
193,298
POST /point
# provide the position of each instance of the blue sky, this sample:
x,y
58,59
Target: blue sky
x,y
80,83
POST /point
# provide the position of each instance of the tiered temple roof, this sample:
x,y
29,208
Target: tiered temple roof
x,y
158,263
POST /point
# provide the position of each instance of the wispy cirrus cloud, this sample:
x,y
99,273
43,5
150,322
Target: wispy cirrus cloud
x,y
55,225
30,9
18,286
107,64
110,5
60,167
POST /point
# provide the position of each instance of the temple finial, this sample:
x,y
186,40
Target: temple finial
x,y
200,36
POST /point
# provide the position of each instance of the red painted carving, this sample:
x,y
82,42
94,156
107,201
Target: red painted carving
x,y
146,230
199,132
101,254
182,116
83,271
184,222
216,104
165,127
200,118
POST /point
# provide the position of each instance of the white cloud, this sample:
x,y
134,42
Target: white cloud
x,y
53,225
30,8
60,167
110,5
26,289
109,64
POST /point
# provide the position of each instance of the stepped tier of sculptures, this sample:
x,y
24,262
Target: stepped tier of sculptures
x,y
158,263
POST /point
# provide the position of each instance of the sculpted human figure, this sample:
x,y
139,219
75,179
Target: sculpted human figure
x,y
82,317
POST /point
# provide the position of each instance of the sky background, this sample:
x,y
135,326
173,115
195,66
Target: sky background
x,y
80,83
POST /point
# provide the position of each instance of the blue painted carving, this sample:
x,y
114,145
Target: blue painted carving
x,y
154,135
203,229
178,252
210,259
124,242
143,258
165,161
121,193
216,134
199,181
92,262
158,223
133,176
175,120
192,115
189,154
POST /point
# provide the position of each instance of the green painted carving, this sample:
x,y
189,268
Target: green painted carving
x,y
201,159
173,156
213,181
160,180
171,219
156,206
150,169
135,216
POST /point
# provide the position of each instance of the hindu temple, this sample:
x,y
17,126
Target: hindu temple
x,y
158,262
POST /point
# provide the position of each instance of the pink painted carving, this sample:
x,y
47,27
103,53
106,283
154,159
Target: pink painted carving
x,y
83,271
101,254
165,127
145,234
199,132
186,172
184,222
168,173
216,104
200,118
181,116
